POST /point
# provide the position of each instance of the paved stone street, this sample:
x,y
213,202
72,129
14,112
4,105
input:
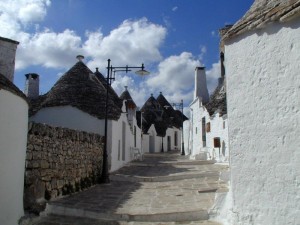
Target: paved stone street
x,y
164,188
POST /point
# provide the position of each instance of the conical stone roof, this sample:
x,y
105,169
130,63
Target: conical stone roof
x,y
80,88
129,101
217,101
263,12
154,114
111,91
175,117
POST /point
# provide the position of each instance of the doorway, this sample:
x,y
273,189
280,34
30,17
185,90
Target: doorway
x,y
151,144
169,143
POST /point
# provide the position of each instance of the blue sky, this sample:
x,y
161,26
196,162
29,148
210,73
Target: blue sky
x,y
171,37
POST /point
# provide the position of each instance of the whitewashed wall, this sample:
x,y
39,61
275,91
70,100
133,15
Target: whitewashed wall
x,y
218,128
171,133
13,139
263,89
186,137
156,139
118,160
69,117
197,113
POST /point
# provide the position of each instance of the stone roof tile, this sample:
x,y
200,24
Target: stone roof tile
x,y
81,88
263,12
217,101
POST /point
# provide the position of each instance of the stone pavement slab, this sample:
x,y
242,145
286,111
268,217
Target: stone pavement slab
x,y
69,220
175,193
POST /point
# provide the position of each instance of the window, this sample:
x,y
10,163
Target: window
x,y
196,130
203,132
208,127
217,142
134,133
224,125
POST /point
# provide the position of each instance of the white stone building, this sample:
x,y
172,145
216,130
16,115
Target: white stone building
x,y
77,101
262,56
161,125
206,132
13,137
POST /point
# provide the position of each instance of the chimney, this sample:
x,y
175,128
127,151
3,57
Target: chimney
x,y
8,49
32,85
222,32
200,85
80,58
221,79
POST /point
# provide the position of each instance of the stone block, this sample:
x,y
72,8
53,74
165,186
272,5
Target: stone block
x,y
53,183
28,155
44,164
60,183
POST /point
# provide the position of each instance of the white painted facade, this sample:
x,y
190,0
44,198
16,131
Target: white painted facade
x,y
172,140
153,143
125,135
263,92
202,129
201,147
69,117
186,135
13,142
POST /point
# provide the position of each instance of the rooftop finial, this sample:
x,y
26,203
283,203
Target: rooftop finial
x,y
80,58
126,88
97,69
160,93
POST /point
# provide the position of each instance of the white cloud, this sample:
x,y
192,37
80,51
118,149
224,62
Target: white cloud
x,y
175,77
23,11
203,51
49,49
132,42
175,8
125,44
33,11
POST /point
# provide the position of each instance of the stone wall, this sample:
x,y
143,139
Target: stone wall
x,y
59,161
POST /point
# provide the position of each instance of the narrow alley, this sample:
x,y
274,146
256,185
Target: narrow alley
x,y
164,188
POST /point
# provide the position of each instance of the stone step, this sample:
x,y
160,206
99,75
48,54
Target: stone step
x,y
168,163
58,220
198,215
134,178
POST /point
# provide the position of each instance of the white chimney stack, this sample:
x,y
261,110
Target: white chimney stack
x,y
201,90
8,49
32,85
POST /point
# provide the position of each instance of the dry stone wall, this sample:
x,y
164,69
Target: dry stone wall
x,y
59,161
